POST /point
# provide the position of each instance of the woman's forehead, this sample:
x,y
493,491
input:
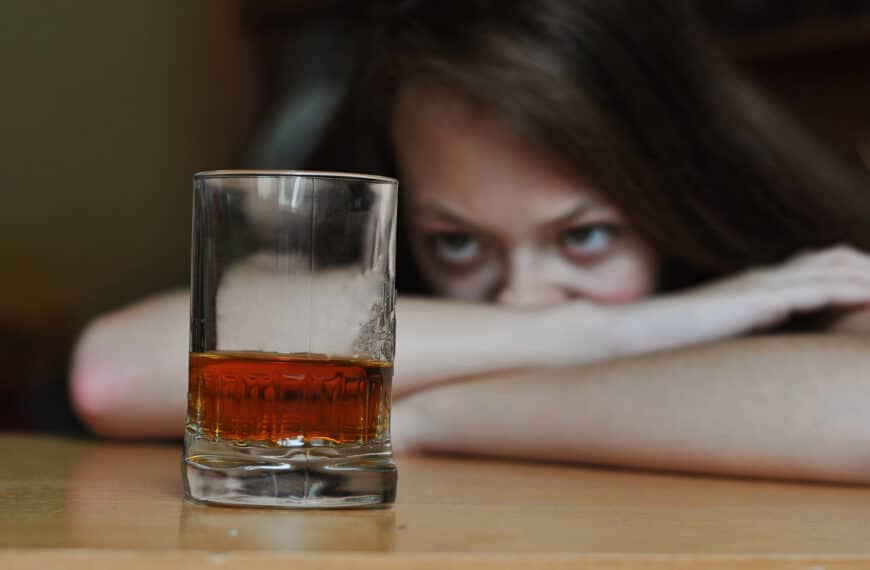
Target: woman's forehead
x,y
454,157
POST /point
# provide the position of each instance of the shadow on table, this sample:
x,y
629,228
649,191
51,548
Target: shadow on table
x,y
126,495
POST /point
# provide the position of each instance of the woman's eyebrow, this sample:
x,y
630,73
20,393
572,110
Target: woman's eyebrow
x,y
453,216
444,213
575,212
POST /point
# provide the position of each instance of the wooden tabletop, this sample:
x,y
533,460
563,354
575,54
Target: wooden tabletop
x,y
77,504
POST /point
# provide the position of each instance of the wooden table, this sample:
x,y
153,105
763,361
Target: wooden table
x,y
76,504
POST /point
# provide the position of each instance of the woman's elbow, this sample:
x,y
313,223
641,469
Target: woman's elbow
x,y
94,384
128,374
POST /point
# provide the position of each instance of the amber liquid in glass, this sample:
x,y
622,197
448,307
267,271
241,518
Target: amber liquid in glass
x,y
288,399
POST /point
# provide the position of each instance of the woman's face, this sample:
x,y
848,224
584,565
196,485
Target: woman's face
x,y
489,219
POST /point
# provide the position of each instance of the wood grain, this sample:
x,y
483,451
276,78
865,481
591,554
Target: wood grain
x,y
75,504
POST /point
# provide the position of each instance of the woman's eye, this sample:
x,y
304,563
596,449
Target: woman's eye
x,y
457,247
588,241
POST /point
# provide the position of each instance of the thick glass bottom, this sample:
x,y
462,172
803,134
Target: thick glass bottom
x,y
226,472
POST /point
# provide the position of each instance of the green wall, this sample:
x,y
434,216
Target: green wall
x,y
106,110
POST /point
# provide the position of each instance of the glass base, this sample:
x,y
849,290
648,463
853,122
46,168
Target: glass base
x,y
224,472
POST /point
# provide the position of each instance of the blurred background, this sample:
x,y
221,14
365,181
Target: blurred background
x,y
108,108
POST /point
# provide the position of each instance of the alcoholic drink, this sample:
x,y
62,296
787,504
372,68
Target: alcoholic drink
x,y
288,400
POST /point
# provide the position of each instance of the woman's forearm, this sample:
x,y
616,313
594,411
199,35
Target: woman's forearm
x,y
439,340
129,372
793,407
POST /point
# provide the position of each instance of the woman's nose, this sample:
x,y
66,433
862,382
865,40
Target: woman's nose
x,y
529,284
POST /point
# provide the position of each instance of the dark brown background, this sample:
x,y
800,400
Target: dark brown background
x,y
108,108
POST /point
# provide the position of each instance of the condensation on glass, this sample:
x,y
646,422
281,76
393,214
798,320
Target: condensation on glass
x,y
292,336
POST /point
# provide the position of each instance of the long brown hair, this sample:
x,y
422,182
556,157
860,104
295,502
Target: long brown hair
x,y
633,96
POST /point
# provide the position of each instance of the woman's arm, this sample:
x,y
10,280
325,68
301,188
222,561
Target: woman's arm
x,y
129,371
783,406
128,376
439,341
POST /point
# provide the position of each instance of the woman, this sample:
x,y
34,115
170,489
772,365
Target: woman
x,y
600,212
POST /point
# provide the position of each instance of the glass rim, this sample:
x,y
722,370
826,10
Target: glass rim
x,y
255,173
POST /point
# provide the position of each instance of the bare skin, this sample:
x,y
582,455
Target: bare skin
x,y
492,221
782,407
548,320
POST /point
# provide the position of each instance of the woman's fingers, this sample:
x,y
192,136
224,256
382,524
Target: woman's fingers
x,y
754,300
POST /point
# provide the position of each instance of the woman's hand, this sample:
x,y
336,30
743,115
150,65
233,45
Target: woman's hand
x,y
757,299
753,300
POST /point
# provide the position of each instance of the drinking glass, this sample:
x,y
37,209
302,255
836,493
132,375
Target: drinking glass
x,y
292,335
